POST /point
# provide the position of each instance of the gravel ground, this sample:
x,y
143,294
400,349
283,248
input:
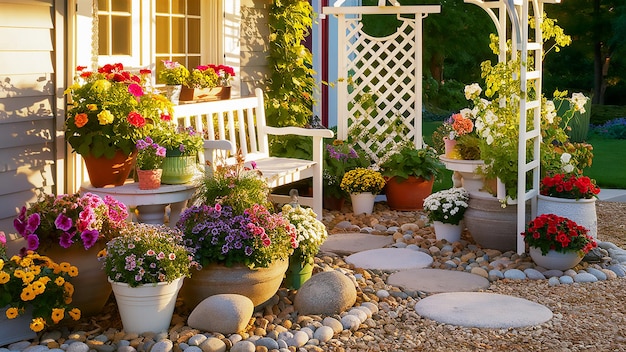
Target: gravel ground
x,y
587,316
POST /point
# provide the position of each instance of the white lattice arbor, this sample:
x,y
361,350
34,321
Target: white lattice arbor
x,y
528,44
390,68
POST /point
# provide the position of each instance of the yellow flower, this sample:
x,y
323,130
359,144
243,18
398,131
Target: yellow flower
x,y
12,313
74,313
57,314
26,262
59,281
105,117
45,279
92,107
27,294
16,259
69,288
4,277
55,268
1,263
35,269
73,271
102,253
65,266
37,324
38,287
18,273
101,85
28,277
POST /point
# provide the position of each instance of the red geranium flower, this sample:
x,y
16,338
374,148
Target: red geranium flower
x,y
550,231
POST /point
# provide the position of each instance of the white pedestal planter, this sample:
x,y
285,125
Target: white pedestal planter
x,y
362,202
146,308
18,329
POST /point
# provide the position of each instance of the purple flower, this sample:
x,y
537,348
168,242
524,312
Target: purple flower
x,y
65,240
160,151
141,144
253,164
249,250
63,222
224,249
89,237
32,242
19,226
33,222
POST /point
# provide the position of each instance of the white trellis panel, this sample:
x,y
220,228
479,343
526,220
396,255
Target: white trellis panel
x,y
390,68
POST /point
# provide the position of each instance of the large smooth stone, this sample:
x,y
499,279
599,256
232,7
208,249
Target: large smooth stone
x,y
233,312
326,293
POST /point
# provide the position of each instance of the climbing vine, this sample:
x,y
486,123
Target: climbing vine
x,y
289,94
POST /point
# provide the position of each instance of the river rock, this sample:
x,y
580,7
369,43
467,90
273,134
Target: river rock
x,y
234,312
325,293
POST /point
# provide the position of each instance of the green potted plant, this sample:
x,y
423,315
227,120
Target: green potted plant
x,y
109,111
311,235
150,157
207,82
339,157
446,209
174,75
33,284
146,265
242,245
182,146
75,228
363,184
556,242
411,173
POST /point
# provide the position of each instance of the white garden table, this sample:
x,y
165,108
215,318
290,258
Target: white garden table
x,y
150,203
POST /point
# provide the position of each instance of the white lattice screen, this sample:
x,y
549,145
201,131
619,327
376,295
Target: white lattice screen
x,y
388,68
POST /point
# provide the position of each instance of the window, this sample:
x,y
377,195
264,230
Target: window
x,y
118,32
178,32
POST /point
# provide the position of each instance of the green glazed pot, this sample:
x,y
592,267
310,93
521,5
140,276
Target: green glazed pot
x,y
178,169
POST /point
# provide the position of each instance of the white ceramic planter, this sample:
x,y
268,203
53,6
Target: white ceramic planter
x,y
554,260
146,308
582,211
448,232
362,203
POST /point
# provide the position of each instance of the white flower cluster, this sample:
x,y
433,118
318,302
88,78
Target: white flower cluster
x,y
311,232
579,100
447,204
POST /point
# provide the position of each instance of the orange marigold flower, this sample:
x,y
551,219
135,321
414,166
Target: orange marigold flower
x,y
65,266
59,281
4,277
81,119
27,294
73,271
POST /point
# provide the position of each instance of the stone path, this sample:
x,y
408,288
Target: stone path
x,y
457,305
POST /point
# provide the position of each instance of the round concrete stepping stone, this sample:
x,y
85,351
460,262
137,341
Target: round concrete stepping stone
x,y
390,259
350,243
482,310
437,280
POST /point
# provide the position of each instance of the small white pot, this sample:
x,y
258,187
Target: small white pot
x,y
448,232
554,260
362,202
146,308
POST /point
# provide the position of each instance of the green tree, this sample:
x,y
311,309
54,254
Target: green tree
x,y
594,60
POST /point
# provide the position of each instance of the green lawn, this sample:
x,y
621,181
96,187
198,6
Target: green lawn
x,y
608,168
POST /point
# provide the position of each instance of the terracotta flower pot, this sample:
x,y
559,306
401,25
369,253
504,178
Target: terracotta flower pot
x,y
408,194
149,179
109,172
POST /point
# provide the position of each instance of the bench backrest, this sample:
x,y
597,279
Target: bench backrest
x,y
233,124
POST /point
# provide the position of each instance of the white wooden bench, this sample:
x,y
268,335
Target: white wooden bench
x,y
239,124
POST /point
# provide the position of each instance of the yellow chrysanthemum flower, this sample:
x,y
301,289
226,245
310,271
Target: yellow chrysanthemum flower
x,y
26,262
57,314
69,288
38,287
37,324
1,263
12,313
59,281
55,268
65,266
92,107
18,273
35,269
45,279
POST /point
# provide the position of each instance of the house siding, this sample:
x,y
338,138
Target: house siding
x,y
254,44
29,103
